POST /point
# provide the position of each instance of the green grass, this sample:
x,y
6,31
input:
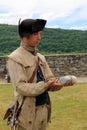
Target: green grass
x,y
69,107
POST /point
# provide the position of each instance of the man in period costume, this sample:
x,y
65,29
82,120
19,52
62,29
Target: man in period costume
x,y
31,77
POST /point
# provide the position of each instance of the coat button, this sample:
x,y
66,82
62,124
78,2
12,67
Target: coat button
x,y
30,122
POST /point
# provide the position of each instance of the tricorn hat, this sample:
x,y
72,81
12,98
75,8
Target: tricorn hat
x,y
29,26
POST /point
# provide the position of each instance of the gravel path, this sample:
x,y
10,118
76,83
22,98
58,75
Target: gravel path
x,y
82,79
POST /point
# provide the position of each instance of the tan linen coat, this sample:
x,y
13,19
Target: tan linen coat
x,y
21,64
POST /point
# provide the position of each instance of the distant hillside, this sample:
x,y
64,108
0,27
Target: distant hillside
x,y
53,40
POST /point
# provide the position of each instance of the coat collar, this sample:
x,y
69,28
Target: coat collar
x,y
24,57
33,50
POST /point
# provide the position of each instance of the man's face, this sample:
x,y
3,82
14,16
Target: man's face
x,y
33,39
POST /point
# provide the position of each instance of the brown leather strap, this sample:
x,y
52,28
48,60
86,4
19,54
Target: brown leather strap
x,y
34,72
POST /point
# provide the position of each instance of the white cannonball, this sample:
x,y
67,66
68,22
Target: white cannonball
x,y
68,78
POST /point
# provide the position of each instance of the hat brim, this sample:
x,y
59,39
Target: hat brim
x,y
38,25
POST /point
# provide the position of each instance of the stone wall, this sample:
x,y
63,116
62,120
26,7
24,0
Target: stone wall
x,y
3,70
74,64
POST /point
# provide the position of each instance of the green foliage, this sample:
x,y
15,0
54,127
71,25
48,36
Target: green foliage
x,y
53,40
8,39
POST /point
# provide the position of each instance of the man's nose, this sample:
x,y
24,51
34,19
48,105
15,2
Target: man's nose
x,y
39,35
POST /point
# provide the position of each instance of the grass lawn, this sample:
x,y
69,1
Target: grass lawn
x,y
69,107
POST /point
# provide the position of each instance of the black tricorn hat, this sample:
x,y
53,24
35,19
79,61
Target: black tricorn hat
x,y
29,26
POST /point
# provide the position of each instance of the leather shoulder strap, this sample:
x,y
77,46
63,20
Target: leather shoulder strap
x,y
34,72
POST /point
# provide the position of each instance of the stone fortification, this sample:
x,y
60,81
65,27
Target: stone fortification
x,y
3,70
74,64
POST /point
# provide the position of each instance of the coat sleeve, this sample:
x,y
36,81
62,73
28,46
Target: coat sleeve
x,y
19,81
49,75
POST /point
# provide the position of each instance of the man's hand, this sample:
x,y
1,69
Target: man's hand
x,y
54,83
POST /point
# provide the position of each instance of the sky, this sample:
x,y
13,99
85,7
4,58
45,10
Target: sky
x,y
64,14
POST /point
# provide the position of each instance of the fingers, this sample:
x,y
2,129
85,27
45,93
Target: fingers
x,y
54,83
70,83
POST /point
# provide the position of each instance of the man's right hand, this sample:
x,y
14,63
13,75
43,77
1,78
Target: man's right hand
x,y
54,83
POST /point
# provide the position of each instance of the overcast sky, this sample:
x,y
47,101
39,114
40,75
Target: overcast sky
x,y
66,14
